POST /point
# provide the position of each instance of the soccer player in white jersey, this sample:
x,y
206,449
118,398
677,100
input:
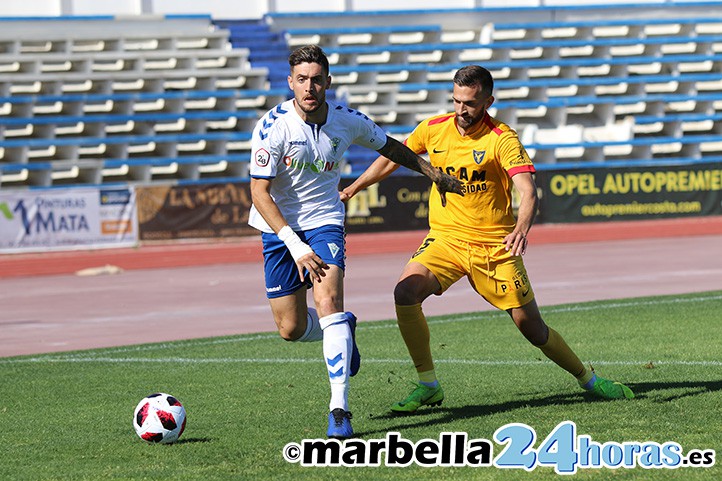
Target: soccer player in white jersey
x,y
295,170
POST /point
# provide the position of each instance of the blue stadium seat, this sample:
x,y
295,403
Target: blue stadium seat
x,y
371,74
627,27
166,101
268,49
547,48
542,88
364,35
141,123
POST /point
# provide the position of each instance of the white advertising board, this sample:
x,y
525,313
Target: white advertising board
x,y
67,219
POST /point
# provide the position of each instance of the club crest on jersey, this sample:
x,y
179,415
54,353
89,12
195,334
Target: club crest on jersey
x,y
479,156
335,142
333,248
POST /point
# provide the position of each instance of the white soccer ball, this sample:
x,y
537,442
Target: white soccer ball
x,y
159,418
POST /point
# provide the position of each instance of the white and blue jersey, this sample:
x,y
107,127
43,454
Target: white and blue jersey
x,y
304,161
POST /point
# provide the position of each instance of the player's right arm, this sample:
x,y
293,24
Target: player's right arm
x,y
267,144
266,206
301,252
401,154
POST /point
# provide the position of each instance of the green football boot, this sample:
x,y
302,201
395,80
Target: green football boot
x,y
606,389
421,396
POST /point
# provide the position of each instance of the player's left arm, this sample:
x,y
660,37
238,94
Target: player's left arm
x,y
402,155
516,242
518,164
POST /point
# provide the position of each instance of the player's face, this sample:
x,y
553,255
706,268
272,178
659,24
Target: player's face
x,y
470,104
309,83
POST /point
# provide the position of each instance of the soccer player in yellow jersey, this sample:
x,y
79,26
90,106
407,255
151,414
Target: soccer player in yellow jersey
x,y
476,235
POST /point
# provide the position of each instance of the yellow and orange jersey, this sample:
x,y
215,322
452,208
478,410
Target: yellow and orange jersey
x,y
484,161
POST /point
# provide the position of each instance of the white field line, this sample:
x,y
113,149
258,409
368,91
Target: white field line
x,y
102,356
230,360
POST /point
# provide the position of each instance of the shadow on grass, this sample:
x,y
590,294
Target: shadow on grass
x,y
649,391
682,389
444,415
193,440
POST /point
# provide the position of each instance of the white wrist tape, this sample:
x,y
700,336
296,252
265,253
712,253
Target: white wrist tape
x,y
294,243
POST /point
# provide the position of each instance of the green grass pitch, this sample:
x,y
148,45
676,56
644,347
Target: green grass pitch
x,y
68,415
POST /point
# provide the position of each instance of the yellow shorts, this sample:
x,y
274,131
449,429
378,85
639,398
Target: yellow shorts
x,y
493,272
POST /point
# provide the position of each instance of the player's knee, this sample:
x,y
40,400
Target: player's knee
x,y
328,304
536,339
535,333
405,293
288,335
290,331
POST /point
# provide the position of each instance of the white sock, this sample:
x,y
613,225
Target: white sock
x,y
337,347
313,330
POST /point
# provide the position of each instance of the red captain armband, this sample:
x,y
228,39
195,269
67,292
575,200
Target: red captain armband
x,y
522,168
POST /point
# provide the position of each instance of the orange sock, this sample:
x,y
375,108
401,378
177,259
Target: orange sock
x,y
558,351
415,331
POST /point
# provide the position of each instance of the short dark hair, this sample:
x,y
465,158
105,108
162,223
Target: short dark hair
x,y
475,75
309,54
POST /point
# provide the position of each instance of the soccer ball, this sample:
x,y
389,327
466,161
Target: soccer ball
x,y
159,418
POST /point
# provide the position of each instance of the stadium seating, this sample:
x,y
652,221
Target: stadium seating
x,y
122,100
128,170
560,73
125,103
103,100
369,74
400,103
604,27
268,49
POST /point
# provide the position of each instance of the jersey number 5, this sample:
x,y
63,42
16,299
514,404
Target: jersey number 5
x,y
427,243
